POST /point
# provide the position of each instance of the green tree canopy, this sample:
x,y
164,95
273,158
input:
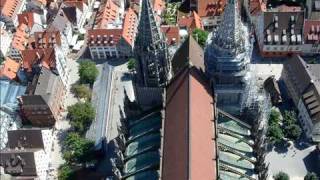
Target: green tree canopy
x,y
88,72
65,172
311,176
289,118
200,35
81,91
274,117
81,115
275,133
78,150
281,176
131,64
293,131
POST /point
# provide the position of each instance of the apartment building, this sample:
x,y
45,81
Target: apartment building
x,y
303,85
10,10
43,102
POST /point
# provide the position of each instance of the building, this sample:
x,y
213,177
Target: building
x,y
110,16
27,154
35,21
152,61
209,10
172,34
5,40
20,41
62,23
43,102
138,146
76,12
109,43
50,58
9,70
10,10
9,105
279,32
188,141
302,81
191,22
311,37
228,54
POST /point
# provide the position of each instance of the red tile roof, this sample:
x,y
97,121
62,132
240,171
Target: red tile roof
x,y
171,33
8,7
9,69
191,22
311,31
210,7
47,39
188,143
26,18
104,37
45,57
20,39
130,26
108,15
159,6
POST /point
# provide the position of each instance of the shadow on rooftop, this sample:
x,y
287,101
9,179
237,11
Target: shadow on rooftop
x,y
310,161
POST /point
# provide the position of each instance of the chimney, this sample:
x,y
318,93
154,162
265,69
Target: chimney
x,y
38,55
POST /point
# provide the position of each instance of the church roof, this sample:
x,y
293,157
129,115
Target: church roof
x,y
189,150
189,53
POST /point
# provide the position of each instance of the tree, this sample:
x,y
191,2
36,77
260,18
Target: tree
x,y
81,91
131,64
200,35
289,118
275,133
311,176
274,117
281,176
65,172
78,150
88,72
81,115
293,131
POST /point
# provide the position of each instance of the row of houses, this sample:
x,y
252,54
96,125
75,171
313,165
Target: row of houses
x,y
36,38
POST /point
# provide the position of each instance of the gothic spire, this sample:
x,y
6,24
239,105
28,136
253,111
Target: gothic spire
x,y
150,49
229,35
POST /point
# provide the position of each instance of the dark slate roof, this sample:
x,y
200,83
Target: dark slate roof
x,y
275,30
189,53
24,162
26,138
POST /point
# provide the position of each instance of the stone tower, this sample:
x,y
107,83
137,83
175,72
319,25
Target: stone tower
x,y
152,62
228,54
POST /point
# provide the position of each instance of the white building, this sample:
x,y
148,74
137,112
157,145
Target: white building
x,y
5,39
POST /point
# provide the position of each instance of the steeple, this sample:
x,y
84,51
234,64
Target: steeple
x,y
227,56
150,50
230,36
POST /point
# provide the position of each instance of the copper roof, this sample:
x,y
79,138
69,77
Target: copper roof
x,y
171,33
188,142
104,37
9,69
